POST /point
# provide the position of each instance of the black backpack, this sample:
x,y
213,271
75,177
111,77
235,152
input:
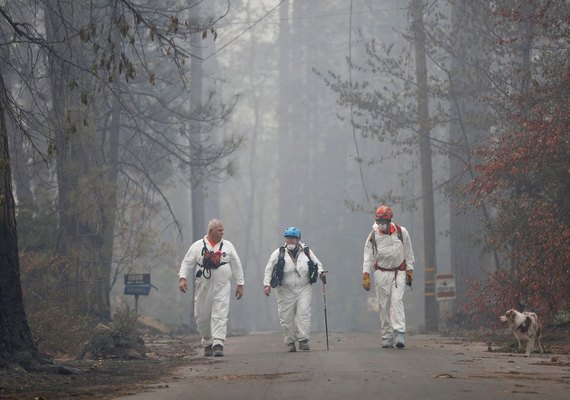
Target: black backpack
x,y
313,268
277,274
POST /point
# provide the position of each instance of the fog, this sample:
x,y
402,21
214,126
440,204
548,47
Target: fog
x,y
127,126
298,163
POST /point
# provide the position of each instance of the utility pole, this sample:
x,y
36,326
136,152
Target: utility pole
x,y
431,306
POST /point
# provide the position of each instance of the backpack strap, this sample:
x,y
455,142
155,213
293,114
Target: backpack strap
x,y
307,252
277,273
208,253
399,230
313,268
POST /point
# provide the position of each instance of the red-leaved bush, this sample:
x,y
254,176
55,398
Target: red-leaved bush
x,y
525,175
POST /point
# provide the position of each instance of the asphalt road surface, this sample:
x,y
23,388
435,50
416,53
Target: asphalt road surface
x,y
257,366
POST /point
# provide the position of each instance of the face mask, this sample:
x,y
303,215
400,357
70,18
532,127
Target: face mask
x,y
382,223
382,227
291,246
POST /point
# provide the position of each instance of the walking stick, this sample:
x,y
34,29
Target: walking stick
x,y
324,279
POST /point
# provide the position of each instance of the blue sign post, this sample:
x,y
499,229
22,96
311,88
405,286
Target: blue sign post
x,y
137,285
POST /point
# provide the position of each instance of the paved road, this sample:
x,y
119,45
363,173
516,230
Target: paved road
x,y
430,367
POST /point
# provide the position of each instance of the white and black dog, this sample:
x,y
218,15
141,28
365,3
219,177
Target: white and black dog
x,y
525,326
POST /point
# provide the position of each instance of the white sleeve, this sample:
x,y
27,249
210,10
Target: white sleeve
x,y
408,250
369,257
189,262
269,267
235,264
316,261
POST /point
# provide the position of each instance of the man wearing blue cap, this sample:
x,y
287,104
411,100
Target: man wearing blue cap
x,y
291,270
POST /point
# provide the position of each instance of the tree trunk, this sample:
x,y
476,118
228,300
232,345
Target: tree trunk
x,y
16,345
196,178
286,177
430,267
303,138
466,130
253,196
112,170
83,189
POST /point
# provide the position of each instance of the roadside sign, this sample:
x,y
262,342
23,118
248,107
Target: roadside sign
x,y
142,290
137,284
445,287
137,279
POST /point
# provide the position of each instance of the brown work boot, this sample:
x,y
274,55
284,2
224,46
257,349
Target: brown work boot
x,y
208,352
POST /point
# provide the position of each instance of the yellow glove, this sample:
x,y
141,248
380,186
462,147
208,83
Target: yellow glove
x,y
366,281
409,277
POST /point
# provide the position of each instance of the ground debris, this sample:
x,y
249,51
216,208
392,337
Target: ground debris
x,y
440,376
101,379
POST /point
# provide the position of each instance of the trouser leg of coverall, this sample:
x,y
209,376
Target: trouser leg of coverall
x,y
211,306
203,309
397,314
303,317
383,282
294,309
220,309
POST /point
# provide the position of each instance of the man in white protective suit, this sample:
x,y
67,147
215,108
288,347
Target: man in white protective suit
x,y
213,261
389,257
292,269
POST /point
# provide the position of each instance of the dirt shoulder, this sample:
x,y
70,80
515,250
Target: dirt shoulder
x,y
107,378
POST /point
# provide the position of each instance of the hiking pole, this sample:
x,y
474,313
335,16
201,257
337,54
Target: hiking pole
x,y
324,279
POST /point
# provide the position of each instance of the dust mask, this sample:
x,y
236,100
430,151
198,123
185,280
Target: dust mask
x,y
382,227
382,223
291,247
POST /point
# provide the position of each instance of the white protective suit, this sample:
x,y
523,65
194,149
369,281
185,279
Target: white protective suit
x,y
389,285
294,294
212,297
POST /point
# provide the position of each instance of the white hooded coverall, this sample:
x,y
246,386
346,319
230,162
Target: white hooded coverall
x,y
389,285
212,297
294,294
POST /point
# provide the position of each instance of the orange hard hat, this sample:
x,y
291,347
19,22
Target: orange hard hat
x,y
384,212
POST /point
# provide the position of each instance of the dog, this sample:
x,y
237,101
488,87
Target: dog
x,y
526,327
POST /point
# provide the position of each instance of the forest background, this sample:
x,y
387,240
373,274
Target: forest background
x,y
128,125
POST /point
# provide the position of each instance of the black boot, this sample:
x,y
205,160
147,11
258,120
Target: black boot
x,y
218,350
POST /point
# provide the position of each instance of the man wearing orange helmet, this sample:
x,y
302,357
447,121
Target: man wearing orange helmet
x,y
389,257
